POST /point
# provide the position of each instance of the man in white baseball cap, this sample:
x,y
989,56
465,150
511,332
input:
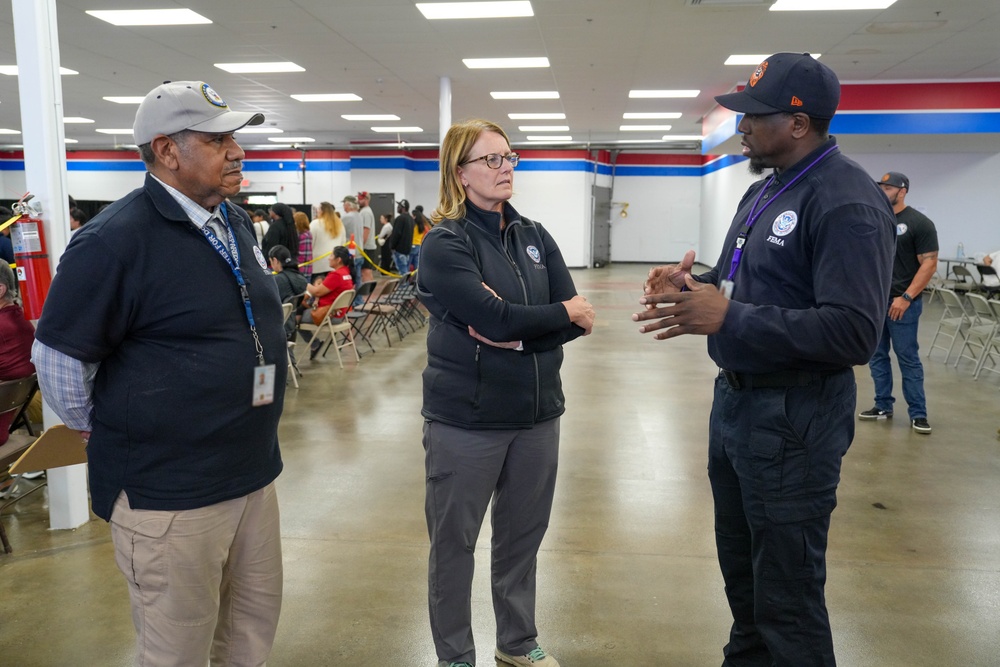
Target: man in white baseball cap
x,y
170,361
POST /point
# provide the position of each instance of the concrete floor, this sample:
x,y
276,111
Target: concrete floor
x,y
627,573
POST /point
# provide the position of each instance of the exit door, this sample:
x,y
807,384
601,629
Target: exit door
x,y
601,241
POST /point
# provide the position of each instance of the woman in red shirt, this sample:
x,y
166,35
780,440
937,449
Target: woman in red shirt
x,y
16,337
342,277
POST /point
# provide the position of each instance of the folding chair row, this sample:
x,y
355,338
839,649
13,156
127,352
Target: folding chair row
x,y
344,328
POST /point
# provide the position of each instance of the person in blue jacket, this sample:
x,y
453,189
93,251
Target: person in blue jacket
x,y
796,298
502,304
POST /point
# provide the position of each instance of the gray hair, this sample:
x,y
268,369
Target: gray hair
x,y
8,280
146,150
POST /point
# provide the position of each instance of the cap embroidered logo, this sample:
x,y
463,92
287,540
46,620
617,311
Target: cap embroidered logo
x,y
213,97
758,74
796,102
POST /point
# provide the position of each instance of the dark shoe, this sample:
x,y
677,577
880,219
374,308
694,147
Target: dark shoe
x,y
314,347
920,425
875,413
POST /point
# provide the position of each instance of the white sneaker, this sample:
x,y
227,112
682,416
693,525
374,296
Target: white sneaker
x,y
536,658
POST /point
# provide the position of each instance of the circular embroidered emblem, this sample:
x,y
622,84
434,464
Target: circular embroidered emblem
x,y
533,253
785,223
213,97
260,257
901,229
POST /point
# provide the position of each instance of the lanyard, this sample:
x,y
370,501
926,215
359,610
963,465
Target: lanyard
x,y
755,214
231,256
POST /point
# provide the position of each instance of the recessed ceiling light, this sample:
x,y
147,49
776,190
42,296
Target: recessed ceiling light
x,y
4,130
327,97
11,70
76,119
259,130
475,10
544,128
260,68
116,131
371,116
828,5
637,94
149,16
125,99
504,63
263,146
755,59
536,116
397,129
526,95
292,140
682,137
656,115
71,141
644,128
554,137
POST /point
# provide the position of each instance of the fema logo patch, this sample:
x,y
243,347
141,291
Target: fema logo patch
x,y
213,97
533,253
901,229
260,258
785,223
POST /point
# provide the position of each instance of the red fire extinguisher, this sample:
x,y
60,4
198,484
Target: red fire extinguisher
x,y
32,258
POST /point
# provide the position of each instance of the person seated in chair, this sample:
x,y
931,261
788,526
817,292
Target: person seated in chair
x,y
343,276
291,283
16,337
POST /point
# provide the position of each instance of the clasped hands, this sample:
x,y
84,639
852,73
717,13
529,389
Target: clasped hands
x,y
581,313
699,310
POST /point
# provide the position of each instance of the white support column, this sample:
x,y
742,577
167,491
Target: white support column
x,y
444,109
36,44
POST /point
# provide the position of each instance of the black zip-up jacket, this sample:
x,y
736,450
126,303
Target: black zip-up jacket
x,y
474,385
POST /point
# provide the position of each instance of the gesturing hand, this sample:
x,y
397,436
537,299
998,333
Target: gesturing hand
x,y
581,313
699,311
668,278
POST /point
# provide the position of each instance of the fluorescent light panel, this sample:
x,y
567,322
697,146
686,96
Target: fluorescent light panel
x,y
475,10
526,95
536,116
4,130
71,141
76,119
260,68
544,128
115,131
644,128
554,137
828,5
11,70
504,63
755,59
385,117
407,130
327,97
125,99
292,140
655,115
149,16
657,94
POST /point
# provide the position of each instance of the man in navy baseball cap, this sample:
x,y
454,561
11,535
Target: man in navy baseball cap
x,y
790,82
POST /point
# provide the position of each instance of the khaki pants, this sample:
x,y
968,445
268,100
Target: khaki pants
x,y
204,584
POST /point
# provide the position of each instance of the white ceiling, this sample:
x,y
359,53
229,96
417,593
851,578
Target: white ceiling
x,y
386,52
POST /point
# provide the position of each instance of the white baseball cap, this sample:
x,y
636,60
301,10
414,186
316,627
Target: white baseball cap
x,y
187,105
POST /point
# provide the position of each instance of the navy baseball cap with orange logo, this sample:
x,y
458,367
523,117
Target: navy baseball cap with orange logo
x,y
791,82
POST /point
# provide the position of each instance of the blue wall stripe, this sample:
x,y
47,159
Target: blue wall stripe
x,y
655,170
972,122
11,165
722,163
103,165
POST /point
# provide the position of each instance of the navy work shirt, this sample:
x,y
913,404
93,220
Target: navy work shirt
x,y
811,289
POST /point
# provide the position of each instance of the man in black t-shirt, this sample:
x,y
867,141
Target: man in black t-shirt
x,y
401,240
915,264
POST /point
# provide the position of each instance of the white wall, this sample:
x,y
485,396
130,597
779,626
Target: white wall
x,y
663,218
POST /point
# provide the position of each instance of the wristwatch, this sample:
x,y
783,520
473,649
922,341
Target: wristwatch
x,y
907,297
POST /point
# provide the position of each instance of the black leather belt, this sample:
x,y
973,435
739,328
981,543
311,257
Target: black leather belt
x,y
773,380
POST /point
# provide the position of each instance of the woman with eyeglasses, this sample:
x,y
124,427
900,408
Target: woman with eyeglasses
x,y
502,304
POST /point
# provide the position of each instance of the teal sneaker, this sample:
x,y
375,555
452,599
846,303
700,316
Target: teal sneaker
x,y
455,664
536,658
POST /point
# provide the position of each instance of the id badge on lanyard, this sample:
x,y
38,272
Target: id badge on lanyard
x,y
263,374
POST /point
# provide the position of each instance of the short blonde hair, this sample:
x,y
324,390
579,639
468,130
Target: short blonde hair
x,y
458,141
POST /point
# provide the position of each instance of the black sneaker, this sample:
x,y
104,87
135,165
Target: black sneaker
x,y
920,425
875,413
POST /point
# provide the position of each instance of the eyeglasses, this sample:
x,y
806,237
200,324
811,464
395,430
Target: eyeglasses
x,y
494,160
